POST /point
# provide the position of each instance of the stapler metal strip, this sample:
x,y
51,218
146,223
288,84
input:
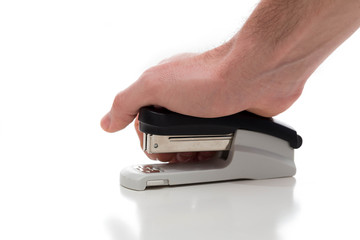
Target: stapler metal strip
x,y
186,143
251,147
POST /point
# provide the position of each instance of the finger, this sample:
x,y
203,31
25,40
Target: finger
x,y
203,156
127,103
186,156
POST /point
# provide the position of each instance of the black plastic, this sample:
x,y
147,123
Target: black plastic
x,y
160,121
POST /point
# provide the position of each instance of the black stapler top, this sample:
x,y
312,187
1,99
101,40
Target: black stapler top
x,y
160,121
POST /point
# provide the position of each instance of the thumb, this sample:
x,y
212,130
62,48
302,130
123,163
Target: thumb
x,y
127,103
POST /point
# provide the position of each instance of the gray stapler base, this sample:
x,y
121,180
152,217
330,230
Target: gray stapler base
x,y
252,155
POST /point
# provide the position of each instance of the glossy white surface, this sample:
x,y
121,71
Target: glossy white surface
x,y
61,63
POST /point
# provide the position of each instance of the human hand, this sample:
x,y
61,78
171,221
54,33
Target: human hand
x,y
201,85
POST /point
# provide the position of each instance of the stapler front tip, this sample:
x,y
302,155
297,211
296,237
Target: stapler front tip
x,y
256,148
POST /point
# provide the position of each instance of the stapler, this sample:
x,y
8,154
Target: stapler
x,y
249,146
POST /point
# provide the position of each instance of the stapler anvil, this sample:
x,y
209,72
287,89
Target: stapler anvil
x,y
250,147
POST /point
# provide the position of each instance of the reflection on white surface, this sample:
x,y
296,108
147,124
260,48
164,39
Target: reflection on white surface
x,y
232,210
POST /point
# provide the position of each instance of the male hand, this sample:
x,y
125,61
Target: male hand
x,y
199,85
262,69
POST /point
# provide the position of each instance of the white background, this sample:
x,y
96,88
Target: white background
x,y
61,64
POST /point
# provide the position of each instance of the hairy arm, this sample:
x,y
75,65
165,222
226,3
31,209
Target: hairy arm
x,y
302,27
285,41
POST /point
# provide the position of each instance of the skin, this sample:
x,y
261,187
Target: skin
x,y
262,69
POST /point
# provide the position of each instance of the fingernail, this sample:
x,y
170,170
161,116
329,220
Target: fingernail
x,y
105,122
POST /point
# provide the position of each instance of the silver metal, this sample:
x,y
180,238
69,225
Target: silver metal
x,y
159,182
186,143
148,169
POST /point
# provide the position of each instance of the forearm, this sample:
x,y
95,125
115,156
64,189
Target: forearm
x,y
280,46
301,28
291,30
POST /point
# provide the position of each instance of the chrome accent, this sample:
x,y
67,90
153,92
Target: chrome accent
x,y
148,169
186,143
159,182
